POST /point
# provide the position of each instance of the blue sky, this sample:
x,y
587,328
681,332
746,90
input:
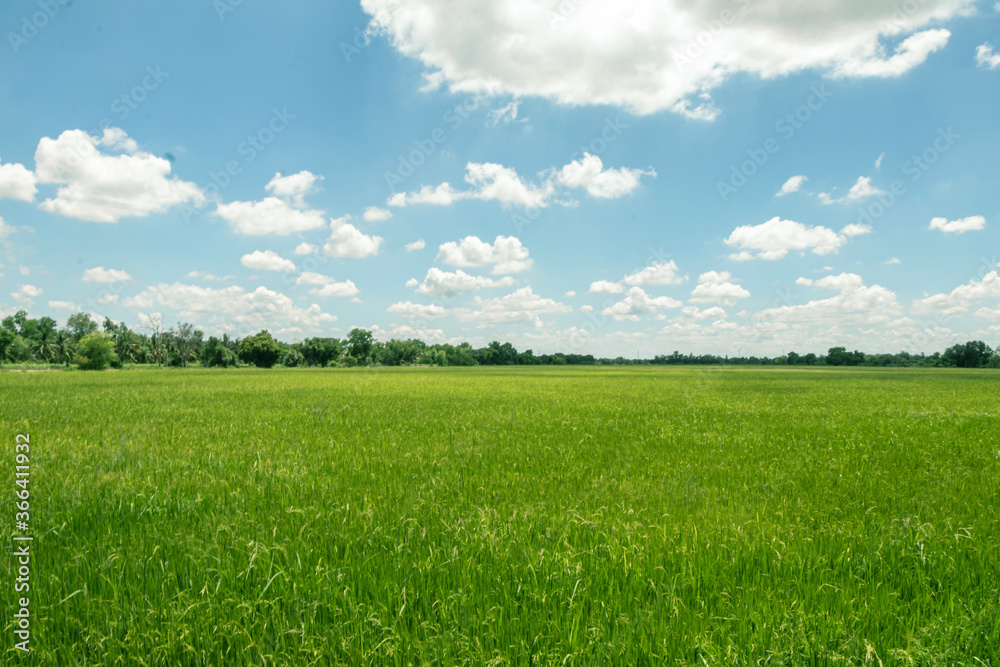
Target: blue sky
x,y
583,176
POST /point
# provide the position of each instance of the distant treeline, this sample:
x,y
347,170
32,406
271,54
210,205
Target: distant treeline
x,y
84,344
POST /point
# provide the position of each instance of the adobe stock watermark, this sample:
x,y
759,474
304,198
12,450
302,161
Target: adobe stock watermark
x,y
248,150
363,36
32,24
611,131
914,168
425,147
785,128
595,319
713,30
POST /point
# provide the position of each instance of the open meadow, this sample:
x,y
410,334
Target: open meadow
x,y
522,516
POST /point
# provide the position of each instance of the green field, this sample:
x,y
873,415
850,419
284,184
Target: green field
x,y
602,516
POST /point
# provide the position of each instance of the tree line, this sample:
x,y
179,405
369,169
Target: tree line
x,y
86,345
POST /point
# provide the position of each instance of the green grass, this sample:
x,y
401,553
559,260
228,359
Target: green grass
x,y
517,516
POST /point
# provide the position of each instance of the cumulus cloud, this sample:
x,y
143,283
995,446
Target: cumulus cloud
x,y
293,188
229,306
444,284
104,179
99,274
326,286
606,287
637,302
589,173
862,189
416,245
855,303
521,306
695,313
505,253
986,58
376,214
495,182
657,273
267,260
971,224
793,184
960,299
776,237
653,55
414,311
718,287
346,240
305,248
345,288
26,294
282,214
856,229
17,182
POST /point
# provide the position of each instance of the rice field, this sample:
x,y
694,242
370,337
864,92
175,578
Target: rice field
x,y
509,516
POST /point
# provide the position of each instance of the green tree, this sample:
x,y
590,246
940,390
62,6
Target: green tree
x,y
6,339
261,350
79,325
95,352
214,353
974,354
359,343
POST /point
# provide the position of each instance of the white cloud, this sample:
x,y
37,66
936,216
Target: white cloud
x,y
652,55
855,304
495,182
101,275
506,254
521,306
695,313
718,287
986,58
606,287
414,311
911,52
570,294
106,299
205,275
26,293
293,188
327,286
893,260
586,309
443,284
958,301
793,184
346,240
267,260
17,182
282,214
862,189
345,288
64,305
305,249
100,187
856,229
971,224
416,245
231,307
637,302
774,238
268,216
878,162
588,172
504,115
376,214
657,273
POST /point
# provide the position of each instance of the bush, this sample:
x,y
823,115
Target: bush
x,y
293,358
261,350
215,354
96,352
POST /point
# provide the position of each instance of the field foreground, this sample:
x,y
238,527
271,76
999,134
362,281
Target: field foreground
x,y
509,516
